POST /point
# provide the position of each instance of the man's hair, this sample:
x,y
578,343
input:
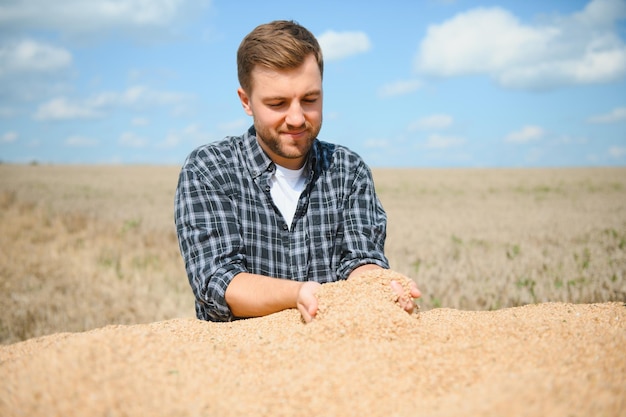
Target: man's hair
x,y
278,45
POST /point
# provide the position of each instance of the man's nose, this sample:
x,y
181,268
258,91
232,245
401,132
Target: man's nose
x,y
295,115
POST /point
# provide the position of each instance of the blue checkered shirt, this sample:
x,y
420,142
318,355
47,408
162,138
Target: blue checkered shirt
x,y
227,223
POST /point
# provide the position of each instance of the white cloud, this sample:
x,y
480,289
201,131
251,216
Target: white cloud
x,y
93,16
399,88
583,48
30,56
62,109
9,137
96,106
602,12
80,142
192,133
443,142
525,135
617,151
131,140
614,116
432,122
339,45
133,96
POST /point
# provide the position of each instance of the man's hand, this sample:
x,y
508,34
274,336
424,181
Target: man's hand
x,y
307,302
405,302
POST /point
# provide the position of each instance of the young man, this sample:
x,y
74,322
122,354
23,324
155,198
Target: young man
x,y
263,219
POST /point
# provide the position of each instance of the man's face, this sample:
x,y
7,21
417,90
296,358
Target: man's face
x,y
287,110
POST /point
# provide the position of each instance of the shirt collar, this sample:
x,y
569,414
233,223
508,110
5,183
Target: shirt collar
x,y
256,159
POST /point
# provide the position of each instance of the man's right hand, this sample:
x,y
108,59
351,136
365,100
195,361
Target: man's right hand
x,y
307,301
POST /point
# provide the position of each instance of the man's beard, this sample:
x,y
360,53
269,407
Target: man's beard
x,y
274,143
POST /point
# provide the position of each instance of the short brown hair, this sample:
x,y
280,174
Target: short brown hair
x,y
278,45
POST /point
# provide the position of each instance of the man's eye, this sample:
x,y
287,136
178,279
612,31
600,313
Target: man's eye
x,y
275,105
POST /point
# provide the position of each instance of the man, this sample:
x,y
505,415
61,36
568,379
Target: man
x,y
265,218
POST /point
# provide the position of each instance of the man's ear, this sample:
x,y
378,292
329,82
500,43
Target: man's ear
x,y
245,101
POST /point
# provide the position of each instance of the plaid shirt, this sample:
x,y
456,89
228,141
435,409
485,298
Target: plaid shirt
x,y
227,223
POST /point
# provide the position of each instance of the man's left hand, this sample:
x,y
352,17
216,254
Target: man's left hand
x,y
406,302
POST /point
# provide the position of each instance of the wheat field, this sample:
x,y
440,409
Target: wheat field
x,y
87,246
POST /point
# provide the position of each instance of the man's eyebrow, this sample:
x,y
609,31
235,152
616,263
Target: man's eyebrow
x,y
307,94
273,98
313,93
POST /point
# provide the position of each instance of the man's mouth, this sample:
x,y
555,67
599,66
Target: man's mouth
x,y
296,134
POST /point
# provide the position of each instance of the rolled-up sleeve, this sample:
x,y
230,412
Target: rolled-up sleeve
x,y
209,239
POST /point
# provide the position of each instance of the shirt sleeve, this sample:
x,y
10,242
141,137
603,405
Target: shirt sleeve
x,y
365,225
209,240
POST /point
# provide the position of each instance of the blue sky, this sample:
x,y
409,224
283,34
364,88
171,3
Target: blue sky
x,y
426,83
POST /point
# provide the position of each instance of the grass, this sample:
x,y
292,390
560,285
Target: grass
x,y
512,251
513,237
83,247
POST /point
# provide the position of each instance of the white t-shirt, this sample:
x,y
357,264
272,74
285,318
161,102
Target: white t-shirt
x,y
286,187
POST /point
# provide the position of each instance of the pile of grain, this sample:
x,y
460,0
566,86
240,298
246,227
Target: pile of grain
x,y
364,308
362,355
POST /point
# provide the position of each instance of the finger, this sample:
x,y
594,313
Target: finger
x,y
405,302
415,292
306,316
409,307
397,288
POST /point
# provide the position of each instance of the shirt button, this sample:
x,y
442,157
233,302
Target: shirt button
x,y
267,188
285,226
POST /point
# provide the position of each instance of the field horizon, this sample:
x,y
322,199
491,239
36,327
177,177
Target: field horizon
x,y
92,245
